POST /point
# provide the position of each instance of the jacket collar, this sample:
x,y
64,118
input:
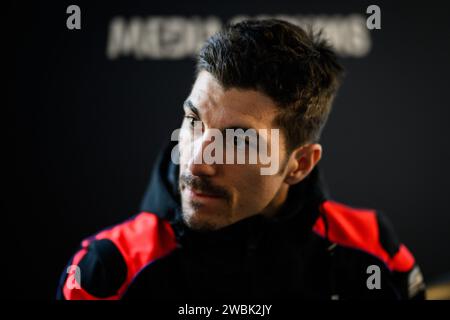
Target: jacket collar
x,y
163,199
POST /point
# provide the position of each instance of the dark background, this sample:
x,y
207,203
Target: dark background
x,y
86,129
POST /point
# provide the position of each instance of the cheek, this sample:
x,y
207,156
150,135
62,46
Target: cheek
x,y
254,190
184,146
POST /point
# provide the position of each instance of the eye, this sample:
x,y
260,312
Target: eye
x,y
191,120
240,141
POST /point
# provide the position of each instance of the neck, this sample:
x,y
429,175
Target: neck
x,y
277,202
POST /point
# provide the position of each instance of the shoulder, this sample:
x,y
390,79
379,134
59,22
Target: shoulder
x,y
108,261
364,238
367,230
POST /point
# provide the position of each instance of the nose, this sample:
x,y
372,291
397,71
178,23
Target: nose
x,y
197,165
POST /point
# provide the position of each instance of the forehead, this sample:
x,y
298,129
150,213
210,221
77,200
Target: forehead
x,y
222,108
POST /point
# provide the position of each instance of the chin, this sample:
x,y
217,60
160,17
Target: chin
x,y
202,221
200,224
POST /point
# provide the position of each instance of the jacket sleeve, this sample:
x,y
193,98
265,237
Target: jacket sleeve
x,y
405,275
107,262
96,272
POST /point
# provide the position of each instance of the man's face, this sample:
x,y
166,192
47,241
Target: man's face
x,y
220,194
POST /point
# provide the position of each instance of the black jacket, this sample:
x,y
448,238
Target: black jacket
x,y
315,248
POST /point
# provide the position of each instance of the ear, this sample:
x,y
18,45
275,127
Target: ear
x,y
302,161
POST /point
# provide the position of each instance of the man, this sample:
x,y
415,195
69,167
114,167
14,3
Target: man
x,y
224,229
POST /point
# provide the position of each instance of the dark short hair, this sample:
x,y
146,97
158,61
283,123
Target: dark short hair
x,y
297,69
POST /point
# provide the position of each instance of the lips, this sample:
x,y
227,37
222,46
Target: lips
x,y
202,195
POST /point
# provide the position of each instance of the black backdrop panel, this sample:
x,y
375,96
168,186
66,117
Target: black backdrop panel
x,y
90,120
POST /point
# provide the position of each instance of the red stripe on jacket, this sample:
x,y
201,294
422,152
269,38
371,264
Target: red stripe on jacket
x,y
141,240
358,229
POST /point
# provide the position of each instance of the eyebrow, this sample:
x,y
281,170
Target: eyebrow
x,y
238,127
189,105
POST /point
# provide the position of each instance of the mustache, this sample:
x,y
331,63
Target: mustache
x,y
202,185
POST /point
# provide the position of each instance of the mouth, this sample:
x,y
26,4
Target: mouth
x,y
200,195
